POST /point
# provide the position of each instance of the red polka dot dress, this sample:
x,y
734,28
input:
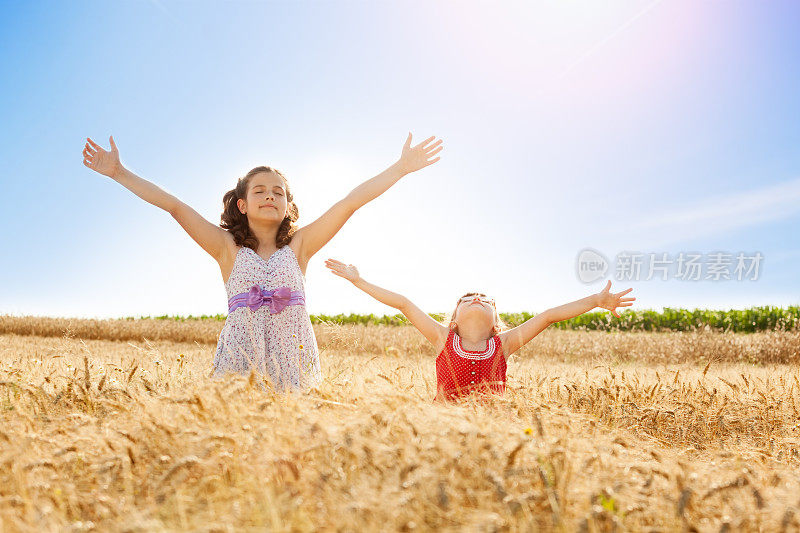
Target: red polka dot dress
x,y
281,345
459,372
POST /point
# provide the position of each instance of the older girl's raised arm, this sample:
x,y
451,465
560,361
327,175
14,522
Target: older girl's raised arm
x,y
210,237
317,234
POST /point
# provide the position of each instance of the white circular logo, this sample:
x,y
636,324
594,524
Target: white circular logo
x,y
591,265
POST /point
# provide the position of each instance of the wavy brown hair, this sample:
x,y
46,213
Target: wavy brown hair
x,y
499,324
235,222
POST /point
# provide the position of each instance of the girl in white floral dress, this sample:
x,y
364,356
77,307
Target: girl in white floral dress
x,y
263,257
281,344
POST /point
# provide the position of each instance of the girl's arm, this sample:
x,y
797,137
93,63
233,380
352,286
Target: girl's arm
x,y
516,338
317,234
211,238
431,329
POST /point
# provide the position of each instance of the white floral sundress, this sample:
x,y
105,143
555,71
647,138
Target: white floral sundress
x,y
280,345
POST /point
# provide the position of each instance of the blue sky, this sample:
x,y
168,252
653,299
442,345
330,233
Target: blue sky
x,y
653,126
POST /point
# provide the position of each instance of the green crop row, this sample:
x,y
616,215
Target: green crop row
x,y
735,320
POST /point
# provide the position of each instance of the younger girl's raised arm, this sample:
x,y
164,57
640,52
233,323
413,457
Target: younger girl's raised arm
x,y
516,338
211,238
431,329
317,234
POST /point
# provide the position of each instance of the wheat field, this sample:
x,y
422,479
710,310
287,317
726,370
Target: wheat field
x,y
114,426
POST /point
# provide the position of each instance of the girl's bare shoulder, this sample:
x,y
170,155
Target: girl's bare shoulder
x,y
296,244
230,250
228,256
503,338
442,344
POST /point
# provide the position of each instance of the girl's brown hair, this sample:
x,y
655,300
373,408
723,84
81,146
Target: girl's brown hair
x,y
499,324
235,222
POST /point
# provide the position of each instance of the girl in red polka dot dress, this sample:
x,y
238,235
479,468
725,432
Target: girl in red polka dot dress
x,y
475,345
263,257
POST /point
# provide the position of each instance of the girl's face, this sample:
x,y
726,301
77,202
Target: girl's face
x,y
475,308
266,198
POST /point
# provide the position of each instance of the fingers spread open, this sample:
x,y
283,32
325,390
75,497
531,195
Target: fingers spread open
x,y
432,146
337,268
435,151
426,141
94,144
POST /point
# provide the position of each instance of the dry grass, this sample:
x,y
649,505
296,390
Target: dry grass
x,y
596,432
698,346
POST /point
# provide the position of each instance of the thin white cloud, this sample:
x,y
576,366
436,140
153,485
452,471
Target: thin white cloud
x,y
167,12
721,214
740,209
605,40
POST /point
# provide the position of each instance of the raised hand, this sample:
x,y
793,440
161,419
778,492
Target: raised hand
x,y
416,157
100,160
348,272
609,300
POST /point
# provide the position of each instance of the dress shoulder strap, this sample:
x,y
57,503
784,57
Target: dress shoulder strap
x,y
448,344
497,342
499,349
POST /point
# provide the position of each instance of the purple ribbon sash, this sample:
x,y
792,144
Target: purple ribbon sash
x,y
275,299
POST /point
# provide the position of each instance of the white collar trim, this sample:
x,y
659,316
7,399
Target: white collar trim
x,y
486,354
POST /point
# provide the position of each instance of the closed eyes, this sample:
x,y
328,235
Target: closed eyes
x,y
261,190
